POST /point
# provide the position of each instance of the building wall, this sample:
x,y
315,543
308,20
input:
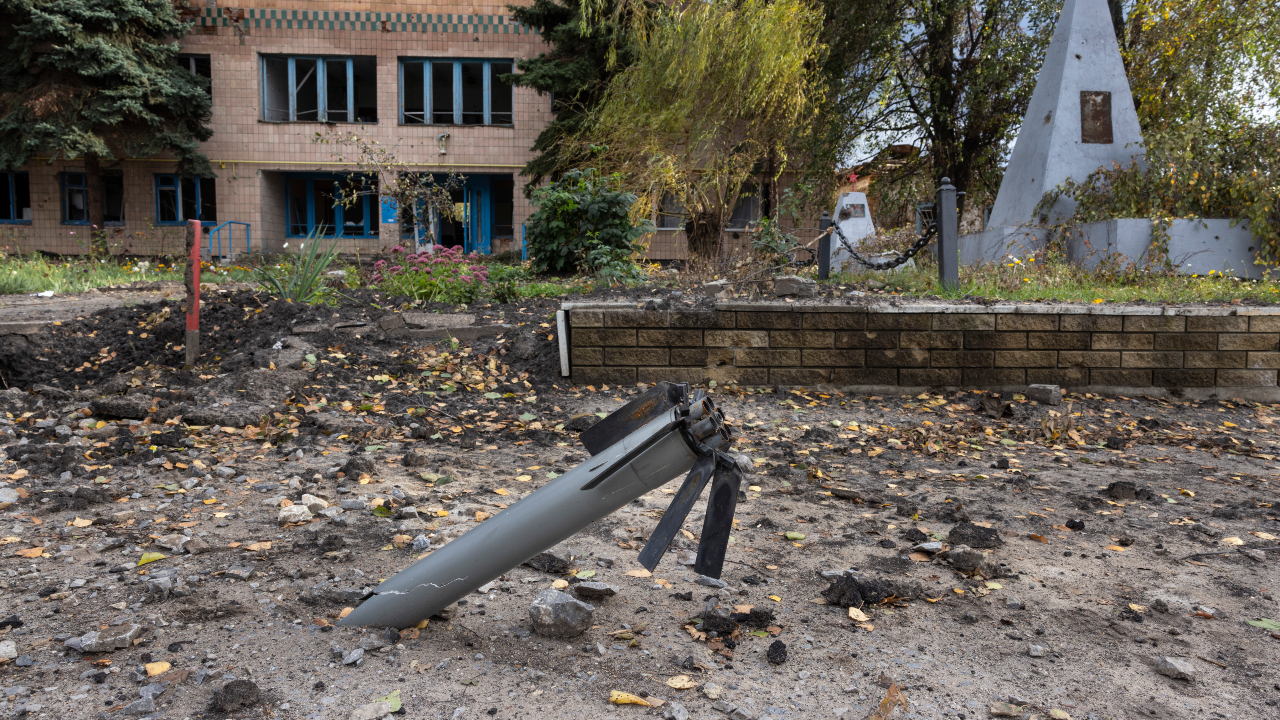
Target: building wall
x,y
251,156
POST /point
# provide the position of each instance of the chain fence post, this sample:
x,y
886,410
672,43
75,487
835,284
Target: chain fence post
x,y
824,247
948,237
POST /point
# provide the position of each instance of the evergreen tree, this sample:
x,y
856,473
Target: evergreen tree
x,y
575,72
98,80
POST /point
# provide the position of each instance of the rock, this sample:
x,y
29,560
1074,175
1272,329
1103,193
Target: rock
x,y
235,695
1255,555
8,650
686,557
360,465
174,542
974,536
711,582
421,542
555,614
928,547
129,407
785,285
777,652
240,572
1077,525
1002,709
675,711
1045,394
594,590
579,423
548,563
716,289
371,711
8,496
967,560
313,503
1013,603
352,657
1036,650
1176,668
116,638
224,471
712,691
294,514
741,713
140,707
414,460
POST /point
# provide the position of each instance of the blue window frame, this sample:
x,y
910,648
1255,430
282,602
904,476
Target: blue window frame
x,y
75,199
331,205
179,199
15,197
455,92
319,89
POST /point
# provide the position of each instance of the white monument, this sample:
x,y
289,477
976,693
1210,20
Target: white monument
x,y
853,218
1081,117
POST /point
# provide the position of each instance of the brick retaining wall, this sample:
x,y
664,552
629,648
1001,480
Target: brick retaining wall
x,y
1228,352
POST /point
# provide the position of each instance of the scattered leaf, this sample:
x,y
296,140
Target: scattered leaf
x,y
392,699
156,668
34,552
858,615
681,682
892,700
617,697
1038,538
151,557
1117,548
795,535
1266,624
638,572
258,546
560,584
1232,541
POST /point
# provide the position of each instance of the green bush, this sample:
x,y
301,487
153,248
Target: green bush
x,y
583,224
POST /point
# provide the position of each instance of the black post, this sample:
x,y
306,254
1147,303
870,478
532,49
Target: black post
x,y
824,247
948,237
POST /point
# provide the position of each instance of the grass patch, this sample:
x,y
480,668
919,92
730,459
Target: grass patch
x,y
1054,279
26,274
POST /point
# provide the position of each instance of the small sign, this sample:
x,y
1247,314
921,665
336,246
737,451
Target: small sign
x,y
390,210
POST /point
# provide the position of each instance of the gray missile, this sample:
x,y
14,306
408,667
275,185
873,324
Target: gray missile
x,y
663,448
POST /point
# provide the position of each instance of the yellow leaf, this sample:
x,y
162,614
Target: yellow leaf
x,y
481,516
638,572
258,546
1262,535
401,540
151,557
1137,608
221,514
1230,424
81,522
558,584
993,585
423,623
502,491
775,598
156,668
1117,548
858,615
10,540
865,626
34,552
345,612
957,591
19,474
617,697
286,502
1232,541
933,600
442,513
211,501
524,478
681,682
1188,493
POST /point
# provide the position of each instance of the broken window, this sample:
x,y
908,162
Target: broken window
x,y
15,197
179,199
455,92
670,212
197,65
330,205
113,197
747,209
75,199
319,89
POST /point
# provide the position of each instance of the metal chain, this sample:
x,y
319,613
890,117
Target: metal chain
x,y
887,264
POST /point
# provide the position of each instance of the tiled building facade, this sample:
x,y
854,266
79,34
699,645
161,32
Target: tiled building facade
x,y
286,70
341,65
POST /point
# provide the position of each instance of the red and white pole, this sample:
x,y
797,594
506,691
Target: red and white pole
x,y
193,293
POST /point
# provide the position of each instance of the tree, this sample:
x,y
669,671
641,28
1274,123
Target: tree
x,y
575,72
954,76
380,173
98,80
718,91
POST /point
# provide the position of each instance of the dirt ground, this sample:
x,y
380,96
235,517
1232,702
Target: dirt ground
x,y
1059,580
